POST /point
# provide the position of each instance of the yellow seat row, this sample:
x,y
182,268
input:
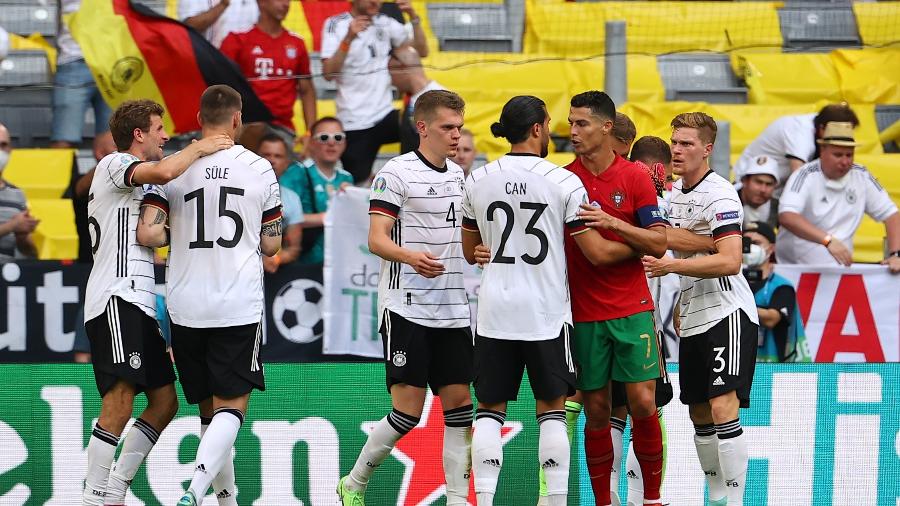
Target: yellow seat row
x,y
868,243
40,173
55,236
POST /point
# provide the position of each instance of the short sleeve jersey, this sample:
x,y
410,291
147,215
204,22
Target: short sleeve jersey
x,y
216,209
122,267
710,208
425,202
833,205
239,16
785,138
601,293
522,206
272,64
315,190
12,202
364,84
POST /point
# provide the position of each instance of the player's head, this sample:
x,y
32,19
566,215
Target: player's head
x,y
834,112
591,118
274,149
836,149
465,151
220,109
655,154
693,136
439,119
525,120
406,70
138,124
367,7
327,141
275,9
624,133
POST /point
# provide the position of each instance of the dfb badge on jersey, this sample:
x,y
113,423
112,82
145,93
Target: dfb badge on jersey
x,y
618,197
851,196
399,359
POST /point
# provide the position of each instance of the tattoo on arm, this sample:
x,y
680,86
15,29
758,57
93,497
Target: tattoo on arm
x,y
272,228
159,219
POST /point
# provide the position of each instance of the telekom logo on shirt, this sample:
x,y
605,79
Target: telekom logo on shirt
x,y
264,67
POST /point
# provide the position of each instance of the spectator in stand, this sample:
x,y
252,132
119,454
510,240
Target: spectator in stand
x,y
273,148
791,141
215,19
756,191
824,201
623,134
277,64
781,336
4,43
465,151
316,182
356,47
74,90
16,224
408,76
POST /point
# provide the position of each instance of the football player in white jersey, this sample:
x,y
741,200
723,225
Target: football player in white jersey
x,y
520,206
719,321
224,214
414,226
127,350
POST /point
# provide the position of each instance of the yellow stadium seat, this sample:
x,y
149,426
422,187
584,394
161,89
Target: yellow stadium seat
x,y
868,242
774,78
41,173
577,29
561,159
870,76
877,22
55,236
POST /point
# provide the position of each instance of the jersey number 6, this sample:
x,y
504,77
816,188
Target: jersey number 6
x,y
224,192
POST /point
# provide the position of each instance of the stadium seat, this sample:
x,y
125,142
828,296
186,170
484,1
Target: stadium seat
x,y
25,18
700,76
55,236
869,75
868,243
25,79
788,78
25,68
887,117
41,173
473,27
877,22
818,26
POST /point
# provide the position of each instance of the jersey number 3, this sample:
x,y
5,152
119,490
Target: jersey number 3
x,y
224,192
536,209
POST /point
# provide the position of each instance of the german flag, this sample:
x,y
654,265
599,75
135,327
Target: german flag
x,y
133,52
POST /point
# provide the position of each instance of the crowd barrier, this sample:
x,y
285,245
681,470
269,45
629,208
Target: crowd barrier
x,y
818,434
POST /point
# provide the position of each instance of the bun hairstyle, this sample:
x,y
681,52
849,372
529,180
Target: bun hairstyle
x,y
517,118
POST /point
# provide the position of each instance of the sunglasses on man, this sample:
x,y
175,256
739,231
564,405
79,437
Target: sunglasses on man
x,y
325,137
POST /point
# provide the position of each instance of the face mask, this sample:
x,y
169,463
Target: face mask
x,y
756,257
836,184
4,159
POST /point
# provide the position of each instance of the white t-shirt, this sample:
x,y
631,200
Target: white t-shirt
x,y
787,137
425,202
711,208
364,85
214,276
239,16
69,50
522,205
836,206
122,267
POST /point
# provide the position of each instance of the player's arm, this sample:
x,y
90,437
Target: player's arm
x,y
685,241
795,163
205,19
270,234
306,91
648,241
151,229
471,239
600,251
419,41
726,261
290,245
380,243
174,165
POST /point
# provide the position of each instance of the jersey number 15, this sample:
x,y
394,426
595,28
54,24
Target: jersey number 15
x,y
224,192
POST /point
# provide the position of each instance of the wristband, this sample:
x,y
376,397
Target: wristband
x,y
344,46
827,240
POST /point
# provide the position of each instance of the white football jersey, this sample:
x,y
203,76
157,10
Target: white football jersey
x,y
785,138
425,202
521,204
122,267
711,208
833,205
214,276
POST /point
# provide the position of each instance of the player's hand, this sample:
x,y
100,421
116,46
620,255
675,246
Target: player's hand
x,y
270,265
343,187
893,264
358,25
225,3
482,255
210,145
406,7
658,267
597,218
676,318
24,223
840,252
425,264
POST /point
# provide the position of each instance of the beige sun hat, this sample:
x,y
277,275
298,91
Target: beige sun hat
x,y
838,133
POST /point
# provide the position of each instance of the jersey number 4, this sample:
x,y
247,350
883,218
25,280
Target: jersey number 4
x,y
224,192
537,210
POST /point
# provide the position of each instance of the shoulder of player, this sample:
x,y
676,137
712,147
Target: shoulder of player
x,y
806,171
332,23
297,38
246,157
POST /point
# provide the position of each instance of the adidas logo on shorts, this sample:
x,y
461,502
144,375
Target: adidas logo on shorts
x,y
718,382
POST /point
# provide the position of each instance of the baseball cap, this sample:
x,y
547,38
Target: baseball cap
x,y
762,228
763,165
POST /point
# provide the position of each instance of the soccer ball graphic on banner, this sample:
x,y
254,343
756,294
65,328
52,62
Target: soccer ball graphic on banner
x,y
296,311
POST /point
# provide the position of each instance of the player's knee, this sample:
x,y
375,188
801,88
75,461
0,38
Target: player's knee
x,y
597,410
724,408
642,401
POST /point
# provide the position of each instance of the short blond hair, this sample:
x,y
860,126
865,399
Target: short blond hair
x,y
700,121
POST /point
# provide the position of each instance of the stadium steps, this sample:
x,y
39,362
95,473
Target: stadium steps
x,y
700,76
474,27
27,89
818,26
55,237
25,17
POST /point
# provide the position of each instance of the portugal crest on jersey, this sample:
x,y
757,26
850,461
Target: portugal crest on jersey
x,y
618,197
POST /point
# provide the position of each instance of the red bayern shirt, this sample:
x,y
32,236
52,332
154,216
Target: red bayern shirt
x,y
272,65
601,293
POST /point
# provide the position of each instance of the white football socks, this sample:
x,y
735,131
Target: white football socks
x,y
215,448
224,485
487,454
378,446
138,443
554,454
707,445
457,453
101,451
733,459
